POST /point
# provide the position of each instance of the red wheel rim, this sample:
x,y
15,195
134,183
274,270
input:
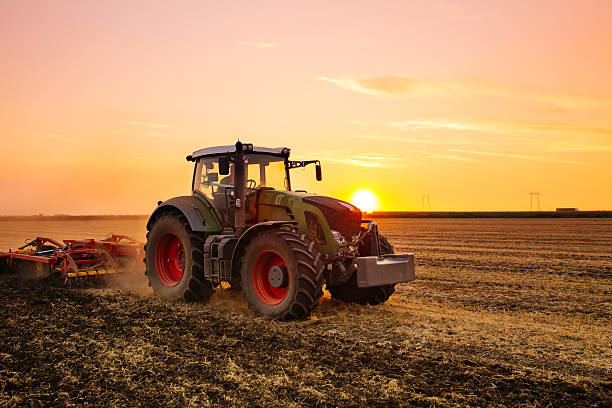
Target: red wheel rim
x,y
266,292
170,259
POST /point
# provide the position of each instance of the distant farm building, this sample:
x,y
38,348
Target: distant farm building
x,y
567,209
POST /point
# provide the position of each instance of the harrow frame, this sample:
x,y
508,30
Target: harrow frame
x,y
77,259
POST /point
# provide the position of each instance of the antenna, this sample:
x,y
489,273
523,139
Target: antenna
x,y
537,196
425,199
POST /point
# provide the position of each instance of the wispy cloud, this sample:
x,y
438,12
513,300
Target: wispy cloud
x,y
520,156
403,86
159,135
497,127
257,44
417,141
444,156
455,10
150,125
581,146
390,86
375,157
141,128
446,5
429,124
355,162
367,159
39,134
556,137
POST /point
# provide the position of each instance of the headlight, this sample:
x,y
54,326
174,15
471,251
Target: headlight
x,y
338,238
315,231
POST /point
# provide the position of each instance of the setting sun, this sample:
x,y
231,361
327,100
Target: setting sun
x,y
365,199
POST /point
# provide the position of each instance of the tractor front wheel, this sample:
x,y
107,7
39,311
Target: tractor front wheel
x,y
282,275
174,260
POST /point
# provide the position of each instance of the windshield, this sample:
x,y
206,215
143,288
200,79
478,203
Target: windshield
x,y
262,170
266,171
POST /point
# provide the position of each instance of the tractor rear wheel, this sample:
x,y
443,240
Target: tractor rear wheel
x,y
282,275
174,260
349,292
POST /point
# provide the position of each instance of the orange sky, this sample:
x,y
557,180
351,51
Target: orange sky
x,y
474,103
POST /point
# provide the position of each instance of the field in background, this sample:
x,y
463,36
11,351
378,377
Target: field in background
x,y
14,230
504,312
492,214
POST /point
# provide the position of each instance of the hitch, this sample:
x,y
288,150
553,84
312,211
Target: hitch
x,y
374,227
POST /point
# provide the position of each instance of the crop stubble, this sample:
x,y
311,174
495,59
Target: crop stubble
x,y
504,312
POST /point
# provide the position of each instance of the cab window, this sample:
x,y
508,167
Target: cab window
x,y
210,183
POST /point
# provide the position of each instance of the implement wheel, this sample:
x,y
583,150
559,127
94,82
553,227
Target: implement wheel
x,y
282,275
349,292
4,266
174,260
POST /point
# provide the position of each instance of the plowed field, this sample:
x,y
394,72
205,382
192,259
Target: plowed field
x,y
504,312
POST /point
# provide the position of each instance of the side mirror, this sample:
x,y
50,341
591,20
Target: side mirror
x,y
224,166
318,172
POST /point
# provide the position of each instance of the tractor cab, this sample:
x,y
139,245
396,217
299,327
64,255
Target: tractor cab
x,y
264,169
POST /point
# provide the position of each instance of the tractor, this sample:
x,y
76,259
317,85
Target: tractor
x,y
244,228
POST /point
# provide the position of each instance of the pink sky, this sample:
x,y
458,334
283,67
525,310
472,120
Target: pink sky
x,y
474,103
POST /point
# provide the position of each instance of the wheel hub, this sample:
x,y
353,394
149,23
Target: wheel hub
x,y
277,276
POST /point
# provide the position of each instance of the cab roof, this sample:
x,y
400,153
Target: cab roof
x,y
248,149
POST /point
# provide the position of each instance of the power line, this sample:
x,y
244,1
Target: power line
x,y
425,199
537,196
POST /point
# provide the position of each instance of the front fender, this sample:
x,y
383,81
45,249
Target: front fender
x,y
251,232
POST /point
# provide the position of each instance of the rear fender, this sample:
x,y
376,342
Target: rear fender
x,y
200,218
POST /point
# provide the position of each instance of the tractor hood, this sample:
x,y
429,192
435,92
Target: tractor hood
x,y
341,216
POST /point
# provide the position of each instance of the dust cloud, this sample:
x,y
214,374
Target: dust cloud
x,y
21,270
228,299
132,279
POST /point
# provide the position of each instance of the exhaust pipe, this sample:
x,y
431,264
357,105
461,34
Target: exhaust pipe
x,y
239,182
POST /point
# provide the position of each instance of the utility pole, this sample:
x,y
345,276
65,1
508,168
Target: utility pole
x,y
537,196
425,199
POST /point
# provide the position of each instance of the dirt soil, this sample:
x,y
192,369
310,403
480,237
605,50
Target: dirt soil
x,y
504,313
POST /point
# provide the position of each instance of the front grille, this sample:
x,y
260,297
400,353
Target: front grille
x,y
348,225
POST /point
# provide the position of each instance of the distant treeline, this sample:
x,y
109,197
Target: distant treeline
x,y
490,214
63,217
375,214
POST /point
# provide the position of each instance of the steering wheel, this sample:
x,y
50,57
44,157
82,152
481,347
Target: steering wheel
x,y
251,182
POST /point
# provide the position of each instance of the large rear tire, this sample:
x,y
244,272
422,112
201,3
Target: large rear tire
x,y
282,275
349,292
174,260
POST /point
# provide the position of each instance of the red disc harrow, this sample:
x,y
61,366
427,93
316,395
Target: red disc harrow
x,y
76,260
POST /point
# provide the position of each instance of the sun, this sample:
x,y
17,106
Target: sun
x,y
366,200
